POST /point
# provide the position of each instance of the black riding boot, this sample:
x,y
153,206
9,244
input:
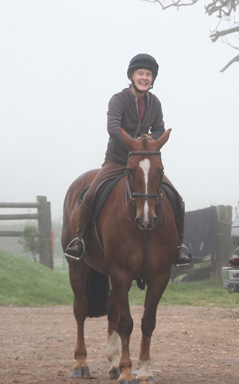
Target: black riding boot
x,y
76,248
182,258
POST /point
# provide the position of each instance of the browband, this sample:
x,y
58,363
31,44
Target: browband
x,y
146,153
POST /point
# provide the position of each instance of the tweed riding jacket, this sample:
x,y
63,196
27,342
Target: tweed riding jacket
x,y
123,112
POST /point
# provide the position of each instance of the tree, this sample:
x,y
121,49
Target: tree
x,y
227,29
30,241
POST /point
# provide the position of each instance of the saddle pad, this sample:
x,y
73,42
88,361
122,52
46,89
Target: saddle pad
x,y
82,194
102,194
173,198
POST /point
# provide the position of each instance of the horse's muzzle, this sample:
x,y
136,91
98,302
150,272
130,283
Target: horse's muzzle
x,y
146,224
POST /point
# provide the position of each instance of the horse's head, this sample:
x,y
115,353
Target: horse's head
x,y
144,176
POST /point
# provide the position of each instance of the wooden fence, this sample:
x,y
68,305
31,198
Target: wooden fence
x,y
202,229
43,216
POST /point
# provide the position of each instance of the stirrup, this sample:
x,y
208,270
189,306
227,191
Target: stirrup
x,y
82,253
182,246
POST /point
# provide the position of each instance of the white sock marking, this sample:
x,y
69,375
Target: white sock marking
x,y
144,369
113,350
145,165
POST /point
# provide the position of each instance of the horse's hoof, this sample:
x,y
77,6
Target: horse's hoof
x,y
114,373
127,382
81,372
149,380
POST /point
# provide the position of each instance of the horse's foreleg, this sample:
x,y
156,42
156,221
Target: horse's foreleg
x,y
153,295
78,277
113,350
120,288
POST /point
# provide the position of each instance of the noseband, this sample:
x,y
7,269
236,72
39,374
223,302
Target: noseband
x,y
145,196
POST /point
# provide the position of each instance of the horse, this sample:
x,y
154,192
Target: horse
x,y
137,239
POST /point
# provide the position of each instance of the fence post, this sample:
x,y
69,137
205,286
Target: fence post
x,y
44,229
224,215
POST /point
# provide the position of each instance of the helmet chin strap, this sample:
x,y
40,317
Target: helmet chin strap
x,y
133,84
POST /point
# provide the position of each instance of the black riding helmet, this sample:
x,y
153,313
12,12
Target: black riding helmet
x,y
143,60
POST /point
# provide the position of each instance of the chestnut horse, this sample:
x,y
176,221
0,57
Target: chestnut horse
x,y
138,236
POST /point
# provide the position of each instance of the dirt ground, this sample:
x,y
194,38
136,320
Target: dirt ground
x,y
189,345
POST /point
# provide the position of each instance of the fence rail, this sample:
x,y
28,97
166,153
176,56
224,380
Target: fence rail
x,y
11,233
20,205
43,216
27,216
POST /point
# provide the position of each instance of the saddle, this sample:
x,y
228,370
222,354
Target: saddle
x,y
101,194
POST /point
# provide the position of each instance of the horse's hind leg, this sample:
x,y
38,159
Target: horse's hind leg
x,y
78,277
153,295
113,350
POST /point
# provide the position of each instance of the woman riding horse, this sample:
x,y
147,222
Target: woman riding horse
x,y
138,112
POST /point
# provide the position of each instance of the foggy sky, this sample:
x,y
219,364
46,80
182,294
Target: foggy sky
x,y
62,60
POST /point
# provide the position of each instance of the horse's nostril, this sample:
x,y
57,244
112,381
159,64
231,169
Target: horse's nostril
x,y
138,222
154,221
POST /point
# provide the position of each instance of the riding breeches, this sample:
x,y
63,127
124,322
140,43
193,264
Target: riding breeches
x,y
110,170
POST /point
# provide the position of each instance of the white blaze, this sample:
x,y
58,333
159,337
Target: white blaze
x,y
145,166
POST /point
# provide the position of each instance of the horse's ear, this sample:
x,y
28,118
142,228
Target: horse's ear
x,y
127,139
159,143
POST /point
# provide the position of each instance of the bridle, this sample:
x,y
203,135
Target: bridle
x,y
146,196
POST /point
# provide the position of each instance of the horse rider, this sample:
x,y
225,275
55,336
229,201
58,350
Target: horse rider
x,y
138,112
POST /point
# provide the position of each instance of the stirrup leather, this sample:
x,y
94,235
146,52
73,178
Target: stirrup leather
x,y
83,249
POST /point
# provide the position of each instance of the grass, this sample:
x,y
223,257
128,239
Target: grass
x,y
199,293
25,283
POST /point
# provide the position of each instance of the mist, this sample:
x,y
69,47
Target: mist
x,y
61,61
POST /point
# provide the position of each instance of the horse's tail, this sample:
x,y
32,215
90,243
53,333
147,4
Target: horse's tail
x,y
97,292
